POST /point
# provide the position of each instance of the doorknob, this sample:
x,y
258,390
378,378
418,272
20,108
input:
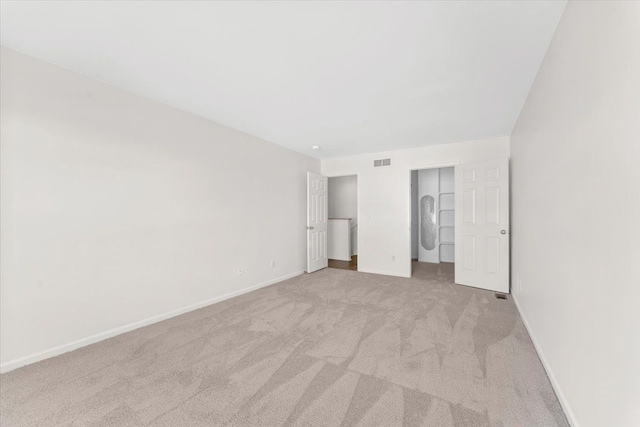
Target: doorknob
x,y
309,227
503,231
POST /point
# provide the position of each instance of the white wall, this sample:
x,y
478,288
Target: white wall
x,y
343,203
116,209
447,180
576,211
343,197
385,196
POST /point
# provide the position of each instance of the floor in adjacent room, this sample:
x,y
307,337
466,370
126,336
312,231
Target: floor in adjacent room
x,y
332,348
344,265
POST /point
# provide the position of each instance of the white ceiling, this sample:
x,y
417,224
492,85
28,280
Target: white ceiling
x,y
352,77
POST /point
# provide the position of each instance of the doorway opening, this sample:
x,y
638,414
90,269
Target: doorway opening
x,y
342,227
433,222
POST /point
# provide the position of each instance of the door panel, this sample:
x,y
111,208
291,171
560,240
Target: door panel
x,y
469,205
482,225
492,249
492,213
316,222
469,253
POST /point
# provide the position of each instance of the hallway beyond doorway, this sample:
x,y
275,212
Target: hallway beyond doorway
x,y
345,265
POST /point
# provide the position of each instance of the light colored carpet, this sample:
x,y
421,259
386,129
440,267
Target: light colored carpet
x,y
333,348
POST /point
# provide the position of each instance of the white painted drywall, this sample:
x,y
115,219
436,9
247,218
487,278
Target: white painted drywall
x,y
116,209
343,203
447,180
575,163
385,196
428,185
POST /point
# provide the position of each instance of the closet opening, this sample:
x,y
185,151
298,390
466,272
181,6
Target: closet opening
x,y
433,221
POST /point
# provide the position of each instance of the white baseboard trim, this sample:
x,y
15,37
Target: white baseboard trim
x,y
383,273
64,348
545,363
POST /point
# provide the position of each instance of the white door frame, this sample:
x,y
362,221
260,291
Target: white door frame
x,y
358,201
419,168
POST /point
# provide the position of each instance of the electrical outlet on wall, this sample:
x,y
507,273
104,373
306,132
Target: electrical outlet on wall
x,y
273,263
240,271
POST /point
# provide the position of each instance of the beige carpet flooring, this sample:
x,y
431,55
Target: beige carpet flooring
x,y
333,348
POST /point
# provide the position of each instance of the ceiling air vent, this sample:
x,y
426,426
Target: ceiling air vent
x,y
381,162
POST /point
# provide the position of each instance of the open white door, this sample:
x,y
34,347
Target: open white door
x,y
482,225
316,222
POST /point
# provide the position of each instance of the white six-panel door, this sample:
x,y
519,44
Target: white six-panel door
x,y
482,224
316,222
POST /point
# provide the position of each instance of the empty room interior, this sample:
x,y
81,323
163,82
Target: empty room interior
x,y
319,213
